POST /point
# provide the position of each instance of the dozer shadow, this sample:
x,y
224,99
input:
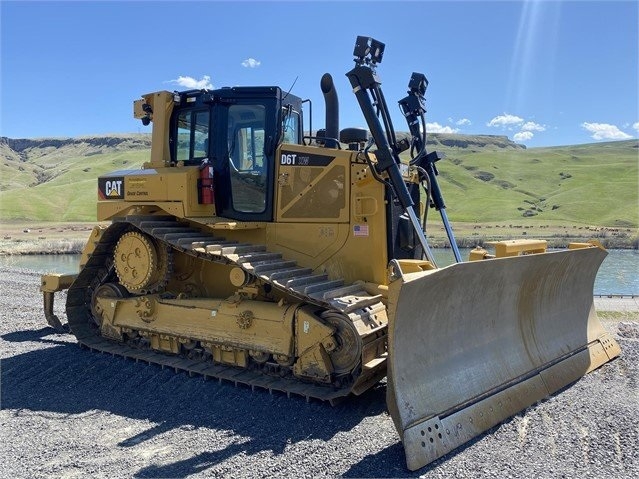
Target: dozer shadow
x,y
38,335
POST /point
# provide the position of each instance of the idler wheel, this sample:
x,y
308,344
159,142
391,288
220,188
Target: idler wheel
x,y
108,290
348,350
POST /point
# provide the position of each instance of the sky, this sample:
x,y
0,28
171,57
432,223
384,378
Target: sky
x,y
544,73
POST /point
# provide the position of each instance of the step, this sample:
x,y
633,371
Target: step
x,y
169,230
350,289
289,273
253,259
149,225
188,242
249,248
348,304
264,267
218,247
175,237
324,286
231,249
306,280
139,220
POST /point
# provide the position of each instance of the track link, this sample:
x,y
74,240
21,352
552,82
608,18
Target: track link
x,y
299,282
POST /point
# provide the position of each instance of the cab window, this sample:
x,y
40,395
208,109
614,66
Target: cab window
x,y
192,135
291,127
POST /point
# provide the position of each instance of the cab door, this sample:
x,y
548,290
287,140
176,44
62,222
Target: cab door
x,y
244,160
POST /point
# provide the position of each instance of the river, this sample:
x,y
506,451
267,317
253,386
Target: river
x,y
619,273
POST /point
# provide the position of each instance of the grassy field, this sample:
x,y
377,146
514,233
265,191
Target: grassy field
x,y
59,188
492,188
595,184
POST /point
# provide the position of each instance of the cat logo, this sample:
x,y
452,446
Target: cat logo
x,y
111,188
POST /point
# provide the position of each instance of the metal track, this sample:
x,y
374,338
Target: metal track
x,y
286,275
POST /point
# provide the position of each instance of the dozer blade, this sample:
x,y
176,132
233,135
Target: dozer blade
x,y
474,343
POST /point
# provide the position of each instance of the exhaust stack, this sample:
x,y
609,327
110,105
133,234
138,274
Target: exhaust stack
x,y
332,110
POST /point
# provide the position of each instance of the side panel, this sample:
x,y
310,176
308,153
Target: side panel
x,y
173,190
331,212
312,185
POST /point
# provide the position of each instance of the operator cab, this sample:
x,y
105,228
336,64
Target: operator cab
x,y
236,132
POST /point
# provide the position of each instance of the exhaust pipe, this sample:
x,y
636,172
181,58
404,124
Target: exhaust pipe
x,y
332,110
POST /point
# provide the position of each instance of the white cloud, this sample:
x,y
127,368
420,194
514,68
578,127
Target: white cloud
x,y
505,120
532,126
635,125
523,136
513,123
460,122
251,63
190,82
437,128
605,131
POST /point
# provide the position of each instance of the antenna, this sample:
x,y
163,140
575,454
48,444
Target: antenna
x,y
291,88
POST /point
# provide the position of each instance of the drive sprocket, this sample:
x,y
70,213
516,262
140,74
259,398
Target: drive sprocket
x,y
141,264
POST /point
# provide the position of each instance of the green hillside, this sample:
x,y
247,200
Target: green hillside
x,y
56,180
484,179
594,184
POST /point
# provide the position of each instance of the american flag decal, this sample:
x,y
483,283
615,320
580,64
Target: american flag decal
x,y
360,230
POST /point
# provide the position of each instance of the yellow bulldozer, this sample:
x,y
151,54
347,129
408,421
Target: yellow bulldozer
x,y
248,251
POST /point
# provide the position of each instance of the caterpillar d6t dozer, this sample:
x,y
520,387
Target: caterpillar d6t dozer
x,y
247,251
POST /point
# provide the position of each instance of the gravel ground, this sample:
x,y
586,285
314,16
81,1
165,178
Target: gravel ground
x,y
67,412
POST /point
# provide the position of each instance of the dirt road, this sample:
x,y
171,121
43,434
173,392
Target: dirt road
x,y
67,412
